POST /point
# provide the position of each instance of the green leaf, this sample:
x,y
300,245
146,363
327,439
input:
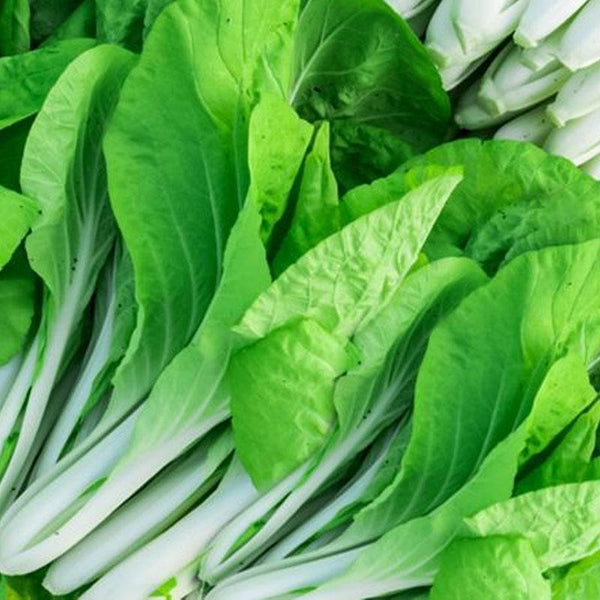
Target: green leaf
x,y
192,194
569,462
121,23
63,170
17,213
357,60
582,581
392,344
474,389
17,287
188,394
48,15
491,568
514,198
361,153
14,27
81,23
317,213
561,522
25,79
275,159
296,404
351,275
570,373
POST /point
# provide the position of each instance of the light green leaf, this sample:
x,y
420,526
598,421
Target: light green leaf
x,y
560,522
25,79
568,374
14,27
582,581
493,568
474,389
569,462
190,391
17,213
317,213
17,287
274,159
350,276
292,408
65,173
392,344
514,198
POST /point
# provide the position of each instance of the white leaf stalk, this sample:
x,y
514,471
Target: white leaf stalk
x,y
578,140
545,52
120,485
510,86
463,31
543,17
472,114
420,20
580,46
480,25
264,584
533,126
46,509
578,97
94,362
454,76
156,507
142,572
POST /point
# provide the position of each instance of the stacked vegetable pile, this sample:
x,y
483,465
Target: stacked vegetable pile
x,y
532,67
265,332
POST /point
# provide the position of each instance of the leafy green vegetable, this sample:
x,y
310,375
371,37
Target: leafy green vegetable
x,y
14,27
492,567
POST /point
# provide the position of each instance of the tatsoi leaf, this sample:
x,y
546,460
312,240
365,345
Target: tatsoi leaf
x,y
16,305
14,27
274,160
317,213
25,79
357,60
569,462
537,305
582,581
561,522
17,214
121,22
291,407
346,278
494,568
187,86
